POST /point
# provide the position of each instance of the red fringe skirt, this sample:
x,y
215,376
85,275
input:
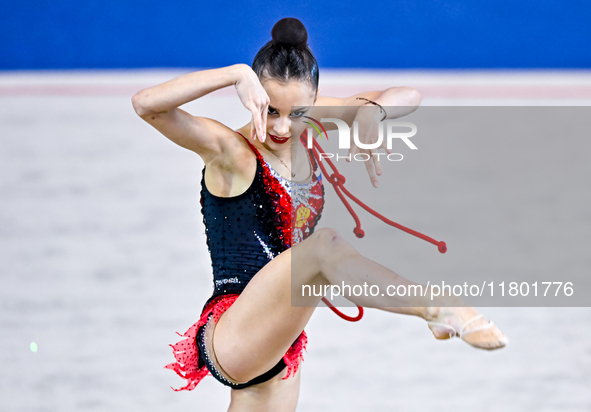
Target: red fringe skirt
x,y
186,351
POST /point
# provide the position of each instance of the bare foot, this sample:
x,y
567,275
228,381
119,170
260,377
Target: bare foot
x,y
467,324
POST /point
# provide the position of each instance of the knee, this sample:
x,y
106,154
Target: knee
x,y
326,240
326,236
328,244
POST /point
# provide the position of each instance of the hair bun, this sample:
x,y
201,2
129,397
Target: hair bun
x,y
290,32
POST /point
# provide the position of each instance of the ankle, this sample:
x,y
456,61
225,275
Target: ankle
x,y
430,313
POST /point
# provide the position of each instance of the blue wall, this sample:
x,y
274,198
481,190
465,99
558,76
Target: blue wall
x,y
66,34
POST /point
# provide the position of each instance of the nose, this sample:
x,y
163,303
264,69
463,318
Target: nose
x,y
282,126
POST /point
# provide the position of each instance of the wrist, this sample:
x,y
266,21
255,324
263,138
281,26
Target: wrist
x,y
239,71
369,113
382,112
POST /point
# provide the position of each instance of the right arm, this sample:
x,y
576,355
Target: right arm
x,y
159,106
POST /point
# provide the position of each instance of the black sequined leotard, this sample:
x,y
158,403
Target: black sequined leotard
x,y
244,233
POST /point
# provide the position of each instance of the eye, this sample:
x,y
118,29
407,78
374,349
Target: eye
x,y
297,114
271,111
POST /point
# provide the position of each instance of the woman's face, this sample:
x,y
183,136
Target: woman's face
x,y
288,103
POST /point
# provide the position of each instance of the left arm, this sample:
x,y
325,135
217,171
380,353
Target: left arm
x,y
405,98
397,102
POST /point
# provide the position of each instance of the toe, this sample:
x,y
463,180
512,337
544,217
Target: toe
x,y
489,339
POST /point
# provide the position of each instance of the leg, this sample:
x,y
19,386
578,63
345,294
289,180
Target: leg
x,y
256,331
276,395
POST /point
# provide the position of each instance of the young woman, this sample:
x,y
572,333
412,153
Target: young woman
x,y
249,336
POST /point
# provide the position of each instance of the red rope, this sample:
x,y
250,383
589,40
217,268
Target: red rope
x,y
338,182
341,314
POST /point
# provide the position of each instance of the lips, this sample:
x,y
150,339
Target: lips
x,y
278,140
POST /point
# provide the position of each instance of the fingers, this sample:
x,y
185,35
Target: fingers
x,y
353,150
259,125
253,129
376,161
257,122
385,147
259,111
267,101
372,164
264,125
369,165
254,123
263,108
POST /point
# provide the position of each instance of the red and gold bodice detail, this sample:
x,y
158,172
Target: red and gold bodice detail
x,y
307,202
299,203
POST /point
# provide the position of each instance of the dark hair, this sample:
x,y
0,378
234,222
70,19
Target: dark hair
x,y
287,56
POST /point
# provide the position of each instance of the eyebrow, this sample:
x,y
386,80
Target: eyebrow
x,y
297,109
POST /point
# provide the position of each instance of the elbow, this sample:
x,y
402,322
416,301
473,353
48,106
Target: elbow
x,y
140,105
404,96
414,98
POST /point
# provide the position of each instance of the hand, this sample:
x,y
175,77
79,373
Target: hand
x,y
368,119
254,97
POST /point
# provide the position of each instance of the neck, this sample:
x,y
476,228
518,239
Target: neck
x,y
293,154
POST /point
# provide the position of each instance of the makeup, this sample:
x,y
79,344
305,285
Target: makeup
x,y
277,139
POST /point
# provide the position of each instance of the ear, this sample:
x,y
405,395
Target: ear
x,y
317,94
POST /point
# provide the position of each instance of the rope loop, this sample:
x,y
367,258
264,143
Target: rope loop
x,y
337,179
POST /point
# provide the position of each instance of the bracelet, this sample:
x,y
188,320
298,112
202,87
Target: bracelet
x,y
375,104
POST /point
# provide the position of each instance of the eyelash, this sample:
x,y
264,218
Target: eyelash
x,y
294,114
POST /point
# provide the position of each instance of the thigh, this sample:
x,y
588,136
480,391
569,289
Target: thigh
x,y
257,330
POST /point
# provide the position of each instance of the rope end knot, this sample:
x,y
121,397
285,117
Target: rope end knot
x,y
337,179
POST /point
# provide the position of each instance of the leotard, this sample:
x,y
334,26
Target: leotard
x,y
244,233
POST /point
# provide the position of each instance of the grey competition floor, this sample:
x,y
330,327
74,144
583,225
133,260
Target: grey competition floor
x,y
103,259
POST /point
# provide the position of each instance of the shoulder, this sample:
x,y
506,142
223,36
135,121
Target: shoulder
x,y
232,171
